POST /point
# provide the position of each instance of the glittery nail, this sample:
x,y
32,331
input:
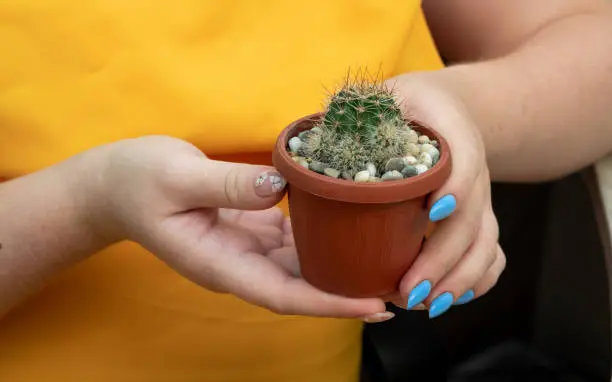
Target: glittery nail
x,y
269,183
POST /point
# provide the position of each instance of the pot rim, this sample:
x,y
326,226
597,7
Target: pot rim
x,y
355,192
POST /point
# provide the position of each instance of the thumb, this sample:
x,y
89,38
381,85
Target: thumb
x,y
218,184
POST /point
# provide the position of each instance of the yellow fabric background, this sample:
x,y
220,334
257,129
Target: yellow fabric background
x,y
224,75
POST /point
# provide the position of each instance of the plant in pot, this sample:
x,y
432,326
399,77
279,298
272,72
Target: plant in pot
x,y
359,175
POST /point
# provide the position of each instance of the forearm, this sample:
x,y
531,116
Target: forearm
x,y
44,227
544,109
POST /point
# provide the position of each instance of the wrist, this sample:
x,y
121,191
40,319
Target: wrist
x,y
86,176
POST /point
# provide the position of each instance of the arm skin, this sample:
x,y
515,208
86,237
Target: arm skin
x,y
43,228
536,77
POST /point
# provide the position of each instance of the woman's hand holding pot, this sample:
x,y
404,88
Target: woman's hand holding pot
x,y
213,222
462,259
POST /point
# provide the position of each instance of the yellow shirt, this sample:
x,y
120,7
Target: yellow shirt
x,y
225,75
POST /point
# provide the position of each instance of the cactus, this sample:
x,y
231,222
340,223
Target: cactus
x,y
360,109
362,124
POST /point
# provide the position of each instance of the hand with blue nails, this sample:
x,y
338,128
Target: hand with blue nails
x,y
462,259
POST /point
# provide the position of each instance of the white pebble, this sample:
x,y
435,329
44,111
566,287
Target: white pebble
x,y
371,168
295,144
426,159
425,147
301,161
413,149
392,175
421,168
431,150
410,160
423,139
331,172
362,176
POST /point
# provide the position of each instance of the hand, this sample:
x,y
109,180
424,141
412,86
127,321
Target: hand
x,y
462,260
214,223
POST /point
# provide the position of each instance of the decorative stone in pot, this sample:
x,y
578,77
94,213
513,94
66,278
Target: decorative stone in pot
x,y
359,176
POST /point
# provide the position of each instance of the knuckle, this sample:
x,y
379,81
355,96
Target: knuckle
x,y
486,287
503,260
231,188
493,274
492,224
491,255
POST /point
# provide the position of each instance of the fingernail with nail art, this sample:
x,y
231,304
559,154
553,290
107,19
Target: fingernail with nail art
x,y
378,317
465,298
269,183
419,294
443,208
440,304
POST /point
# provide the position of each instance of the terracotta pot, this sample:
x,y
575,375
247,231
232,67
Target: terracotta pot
x,y
356,239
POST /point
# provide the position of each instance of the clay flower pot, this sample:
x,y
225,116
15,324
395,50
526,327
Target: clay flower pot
x,y
356,239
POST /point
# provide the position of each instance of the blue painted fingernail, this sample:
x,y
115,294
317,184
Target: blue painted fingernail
x,y
442,208
440,304
419,294
467,297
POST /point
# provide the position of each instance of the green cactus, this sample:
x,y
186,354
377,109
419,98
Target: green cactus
x,y
362,124
359,109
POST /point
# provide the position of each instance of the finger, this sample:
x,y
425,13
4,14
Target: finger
x,y
443,249
488,281
266,225
272,216
211,183
232,237
469,270
287,258
288,239
287,227
270,236
260,281
491,277
453,195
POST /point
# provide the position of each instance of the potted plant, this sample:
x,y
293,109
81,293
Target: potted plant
x,y
359,175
